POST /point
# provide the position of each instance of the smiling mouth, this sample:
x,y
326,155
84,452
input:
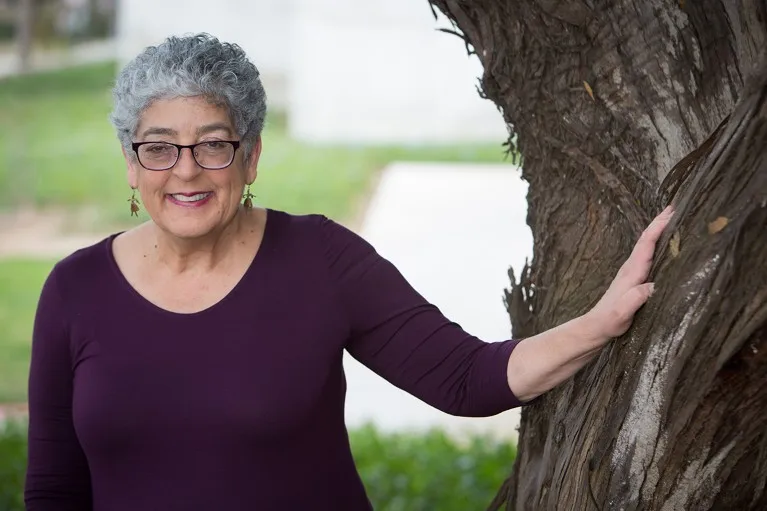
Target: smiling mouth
x,y
183,197
190,198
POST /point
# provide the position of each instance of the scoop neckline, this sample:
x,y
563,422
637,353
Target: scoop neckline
x,y
241,283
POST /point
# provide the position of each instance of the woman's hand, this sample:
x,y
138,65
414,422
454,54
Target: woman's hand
x,y
543,361
613,314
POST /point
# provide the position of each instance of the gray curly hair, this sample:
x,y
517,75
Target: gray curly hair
x,y
197,65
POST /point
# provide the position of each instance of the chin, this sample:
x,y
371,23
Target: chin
x,y
186,232
189,228
193,222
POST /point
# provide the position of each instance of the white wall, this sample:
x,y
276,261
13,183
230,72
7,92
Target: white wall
x,y
261,27
378,71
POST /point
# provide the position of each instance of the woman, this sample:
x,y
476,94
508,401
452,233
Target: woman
x,y
195,361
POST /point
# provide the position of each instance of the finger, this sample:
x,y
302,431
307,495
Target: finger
x,y
636,268
668,210
644,249
633,299
653,231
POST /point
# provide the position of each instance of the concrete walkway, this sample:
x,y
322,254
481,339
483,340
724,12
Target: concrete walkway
x,y
453,231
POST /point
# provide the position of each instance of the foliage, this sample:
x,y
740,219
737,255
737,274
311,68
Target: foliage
x,y
13,461
7,31
20,284
429,470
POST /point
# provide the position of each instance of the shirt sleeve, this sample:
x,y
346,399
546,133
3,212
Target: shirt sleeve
x,y
57,476
406,340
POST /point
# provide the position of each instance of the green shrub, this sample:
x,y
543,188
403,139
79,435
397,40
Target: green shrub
x,y
413,471
7,31
430,471
13,462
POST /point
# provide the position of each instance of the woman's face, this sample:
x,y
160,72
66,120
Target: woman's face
x,y
187,200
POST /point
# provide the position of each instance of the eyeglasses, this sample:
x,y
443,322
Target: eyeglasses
x,y
210,155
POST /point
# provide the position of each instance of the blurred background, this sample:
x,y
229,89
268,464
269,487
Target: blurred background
x,y
374,120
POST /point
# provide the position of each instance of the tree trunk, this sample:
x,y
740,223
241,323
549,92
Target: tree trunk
x,y
24,31
619,108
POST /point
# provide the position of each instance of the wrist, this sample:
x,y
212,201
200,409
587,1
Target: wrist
x,y
588,330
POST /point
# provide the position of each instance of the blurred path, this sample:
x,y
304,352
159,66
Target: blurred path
x,y
12,411
31,234
453,231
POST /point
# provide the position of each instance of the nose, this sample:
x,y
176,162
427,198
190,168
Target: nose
x,y
186,166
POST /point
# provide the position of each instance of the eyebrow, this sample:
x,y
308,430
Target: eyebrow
x,y
216,126
158,131
202,130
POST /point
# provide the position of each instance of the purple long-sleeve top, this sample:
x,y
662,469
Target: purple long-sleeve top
x,y
239,406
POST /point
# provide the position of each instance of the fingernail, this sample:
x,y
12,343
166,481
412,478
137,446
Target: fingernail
x,y
652,288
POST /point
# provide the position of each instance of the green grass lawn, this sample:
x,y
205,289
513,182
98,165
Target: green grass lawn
x,y
58,148
20,284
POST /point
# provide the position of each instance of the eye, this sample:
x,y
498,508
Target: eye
x,y
214,145
157,148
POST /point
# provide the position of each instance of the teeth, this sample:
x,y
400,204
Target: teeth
x,y
191,198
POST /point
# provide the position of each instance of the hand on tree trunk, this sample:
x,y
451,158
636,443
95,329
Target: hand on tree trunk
x,y
541,362
613,314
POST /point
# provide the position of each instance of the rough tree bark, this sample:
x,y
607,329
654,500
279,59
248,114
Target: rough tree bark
x,y
620,107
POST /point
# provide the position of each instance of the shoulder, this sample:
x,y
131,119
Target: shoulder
x,y
71,277
320,242
84,266
308,224
330,237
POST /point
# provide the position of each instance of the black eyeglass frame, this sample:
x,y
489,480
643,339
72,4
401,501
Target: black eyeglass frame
x,y
234,143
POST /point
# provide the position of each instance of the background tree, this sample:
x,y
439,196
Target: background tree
x,y
619,108
24,33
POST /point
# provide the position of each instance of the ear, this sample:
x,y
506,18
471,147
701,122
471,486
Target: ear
x,y
251,170
132,168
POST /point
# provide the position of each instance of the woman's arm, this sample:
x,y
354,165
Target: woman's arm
x,y
542,362
403,338
57,478
395,332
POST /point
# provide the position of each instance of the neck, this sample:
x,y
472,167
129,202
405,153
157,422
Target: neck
x,y
204,253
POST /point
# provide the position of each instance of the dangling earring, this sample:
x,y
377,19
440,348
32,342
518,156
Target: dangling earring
x,y
248,202
134,202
